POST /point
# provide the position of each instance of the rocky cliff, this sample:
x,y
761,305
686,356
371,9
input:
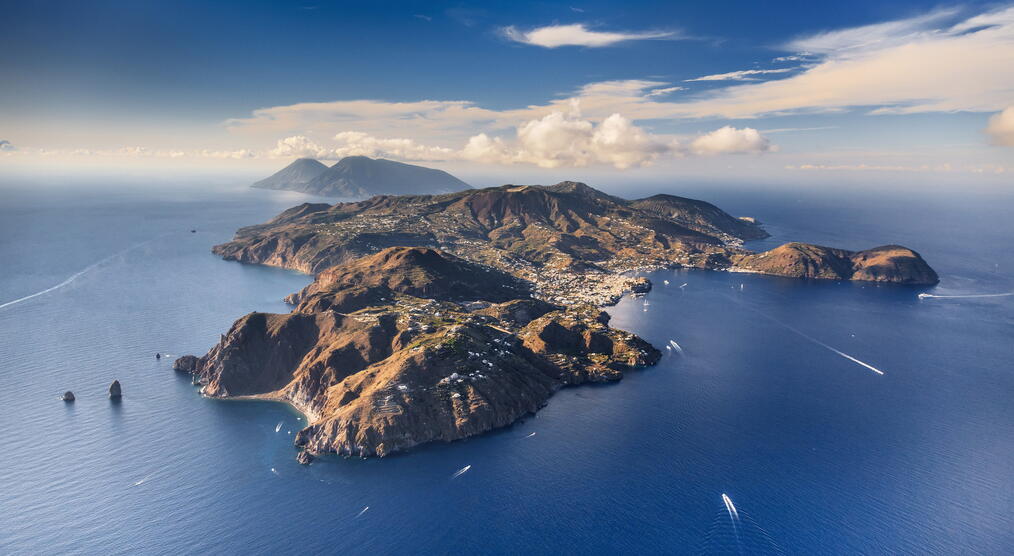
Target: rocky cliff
x,y
410,346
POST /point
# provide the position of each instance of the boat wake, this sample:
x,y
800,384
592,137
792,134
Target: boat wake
x,y
278,427
461,471
80,273
530,435
729,507
814,340
363,511
142,481
675,346
970,296
734,532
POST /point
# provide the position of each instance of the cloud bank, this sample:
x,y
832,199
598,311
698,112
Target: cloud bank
x,y
577,34
1001,128
937,62
557,140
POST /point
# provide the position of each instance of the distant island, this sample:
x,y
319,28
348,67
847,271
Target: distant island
x,y
361,177
438,317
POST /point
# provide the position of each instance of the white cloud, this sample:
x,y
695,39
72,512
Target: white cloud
x,y
1001,128
566,140
556,140
664,91
353,143
955,68
300,146
875,36
577,34
621,143
925,64
435,117
560,140
6,146
742,75
908,66
801,57
729,140
901,67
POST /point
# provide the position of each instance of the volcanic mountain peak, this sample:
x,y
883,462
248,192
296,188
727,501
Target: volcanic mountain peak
x,y
294,176
361,176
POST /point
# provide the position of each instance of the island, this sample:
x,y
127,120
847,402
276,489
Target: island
x,y
361,177
439,317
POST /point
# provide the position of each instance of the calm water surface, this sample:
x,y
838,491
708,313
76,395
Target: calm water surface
x,y
817,453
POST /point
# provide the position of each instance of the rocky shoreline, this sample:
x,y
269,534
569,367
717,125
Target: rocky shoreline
x,y
439,317
377,370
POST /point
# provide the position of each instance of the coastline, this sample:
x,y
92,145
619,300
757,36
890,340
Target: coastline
x,y
262,398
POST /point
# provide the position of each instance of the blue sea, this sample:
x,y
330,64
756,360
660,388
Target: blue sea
x,y
774,402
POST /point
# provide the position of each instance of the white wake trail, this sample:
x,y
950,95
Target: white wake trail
x,y
814,340
461,471
970,296
829,348
80,273
734,519
729,507
362,512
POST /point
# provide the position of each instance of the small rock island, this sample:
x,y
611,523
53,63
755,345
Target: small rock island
x,y
439,317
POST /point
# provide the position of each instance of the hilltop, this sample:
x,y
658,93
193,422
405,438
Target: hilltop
x,y
888,263
572,242
433,349
360,177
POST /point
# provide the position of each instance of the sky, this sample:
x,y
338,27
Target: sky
x,y
517,91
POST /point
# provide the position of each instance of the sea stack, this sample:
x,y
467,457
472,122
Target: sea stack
x,y
185,364
68,396
114,390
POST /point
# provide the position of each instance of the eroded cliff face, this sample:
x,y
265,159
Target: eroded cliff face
x,y
378,369
889,263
